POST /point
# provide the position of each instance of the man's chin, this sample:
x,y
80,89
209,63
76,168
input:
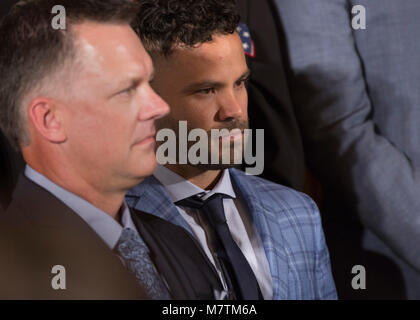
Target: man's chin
x,y
145,167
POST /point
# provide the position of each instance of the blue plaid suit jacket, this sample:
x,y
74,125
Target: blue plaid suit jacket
x,y
288,223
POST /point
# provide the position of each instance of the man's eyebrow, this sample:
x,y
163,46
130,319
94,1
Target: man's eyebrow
x,y
134,81
245,75
126,84
204,84
213,84
131,83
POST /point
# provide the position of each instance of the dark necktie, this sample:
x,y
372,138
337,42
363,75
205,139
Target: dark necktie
x,y
134,253
232,259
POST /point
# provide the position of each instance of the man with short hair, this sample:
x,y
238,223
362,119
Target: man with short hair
x,y
265,240
77,102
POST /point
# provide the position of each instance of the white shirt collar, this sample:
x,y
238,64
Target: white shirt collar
x,y
179,188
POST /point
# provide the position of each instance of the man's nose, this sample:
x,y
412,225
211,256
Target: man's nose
x,y
154,108
230,108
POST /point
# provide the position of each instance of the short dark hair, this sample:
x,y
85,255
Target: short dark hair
x,y
32,50
163,24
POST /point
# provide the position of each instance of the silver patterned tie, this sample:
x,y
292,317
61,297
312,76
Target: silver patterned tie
x,y
135,254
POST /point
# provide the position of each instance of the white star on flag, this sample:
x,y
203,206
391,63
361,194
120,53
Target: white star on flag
x,y
247,43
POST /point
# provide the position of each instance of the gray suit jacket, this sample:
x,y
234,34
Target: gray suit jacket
x,y
357,99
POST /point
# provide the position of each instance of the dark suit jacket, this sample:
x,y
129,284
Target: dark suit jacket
x,y
270,107
178,256
11,164
39,232
5,6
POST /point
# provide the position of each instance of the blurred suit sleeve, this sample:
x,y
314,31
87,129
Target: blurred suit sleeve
x,y
368,173
270,107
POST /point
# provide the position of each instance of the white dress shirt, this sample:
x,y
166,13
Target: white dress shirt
x,y
240,224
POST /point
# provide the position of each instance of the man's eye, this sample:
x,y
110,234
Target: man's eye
x,y
128,91
207,91
242,83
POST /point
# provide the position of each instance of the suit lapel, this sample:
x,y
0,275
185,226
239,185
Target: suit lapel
x,y
60,236
151,197
268,228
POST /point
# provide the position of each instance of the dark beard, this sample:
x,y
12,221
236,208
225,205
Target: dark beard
x,y
234,124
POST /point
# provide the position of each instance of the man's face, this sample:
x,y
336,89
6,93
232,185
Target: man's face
x,y
109,121
205,86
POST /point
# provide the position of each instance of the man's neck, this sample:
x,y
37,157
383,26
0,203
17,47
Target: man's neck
x,y
107,201
205,179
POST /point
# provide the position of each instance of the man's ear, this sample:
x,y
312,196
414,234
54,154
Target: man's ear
x,y
46,120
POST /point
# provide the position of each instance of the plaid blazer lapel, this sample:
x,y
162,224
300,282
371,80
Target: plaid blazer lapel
x,y
266,223
151,197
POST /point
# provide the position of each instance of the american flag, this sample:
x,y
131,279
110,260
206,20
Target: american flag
x,y
247,42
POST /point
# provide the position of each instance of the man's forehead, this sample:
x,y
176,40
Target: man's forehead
x,y
220,47
109,45
218,62
223,50
105,36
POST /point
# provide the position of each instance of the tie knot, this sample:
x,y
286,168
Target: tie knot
x,y
212,207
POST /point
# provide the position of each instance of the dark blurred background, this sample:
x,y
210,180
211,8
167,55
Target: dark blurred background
x,y
10,161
